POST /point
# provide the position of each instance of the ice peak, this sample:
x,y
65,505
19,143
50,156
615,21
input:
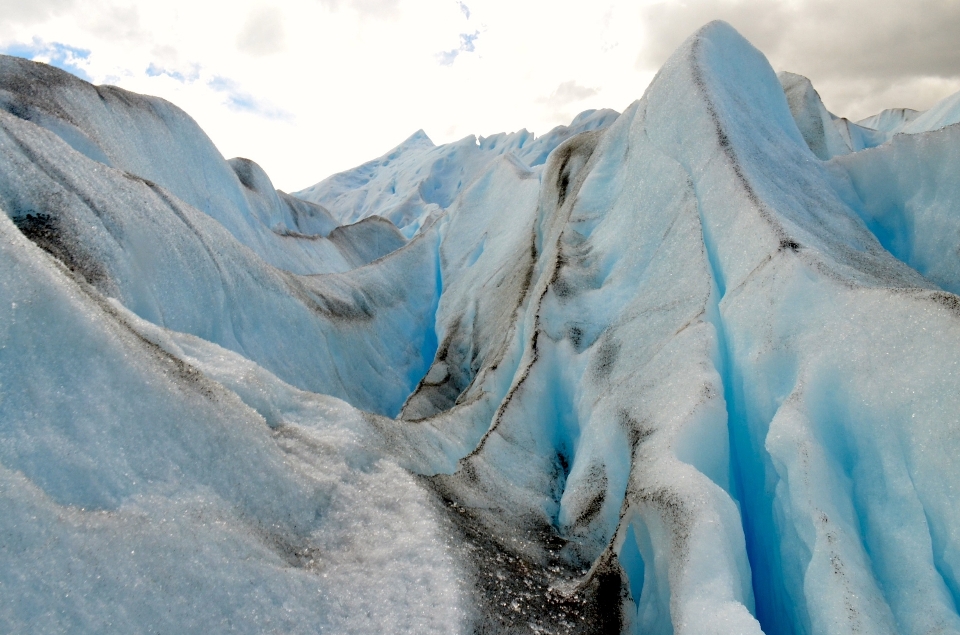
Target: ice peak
x,y
416,140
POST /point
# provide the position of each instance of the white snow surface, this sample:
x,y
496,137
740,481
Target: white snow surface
x,y
693,368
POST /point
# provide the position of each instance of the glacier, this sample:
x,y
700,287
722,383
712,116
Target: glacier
x,y
693,367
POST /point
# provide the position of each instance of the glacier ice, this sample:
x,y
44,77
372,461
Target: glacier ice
x,y
688,368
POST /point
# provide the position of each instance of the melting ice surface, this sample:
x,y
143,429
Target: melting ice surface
x,y
689,368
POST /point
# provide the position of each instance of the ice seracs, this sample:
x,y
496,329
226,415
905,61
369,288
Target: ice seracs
x,y
691,368
417,180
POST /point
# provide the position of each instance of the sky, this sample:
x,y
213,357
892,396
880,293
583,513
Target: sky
x,y
307,88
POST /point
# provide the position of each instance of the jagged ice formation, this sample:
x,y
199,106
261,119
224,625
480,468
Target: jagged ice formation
x,y
689,368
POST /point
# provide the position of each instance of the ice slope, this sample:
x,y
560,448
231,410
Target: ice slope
x,y
156,141
562,442
943,113
905,186
138,494
536,153
364,335
829,136
417,180
805,301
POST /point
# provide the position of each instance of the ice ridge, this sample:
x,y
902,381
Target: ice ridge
x,y
418,180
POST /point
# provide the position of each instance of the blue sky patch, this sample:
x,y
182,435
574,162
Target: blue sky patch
x,y
242,101
156,71
63,56
466,46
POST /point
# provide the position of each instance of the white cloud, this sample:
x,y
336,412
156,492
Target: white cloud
x,y
467,45
20,12
564,102
263,32
366,8
570,92
116,23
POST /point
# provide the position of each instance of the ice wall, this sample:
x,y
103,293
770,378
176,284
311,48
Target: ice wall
x,y
908,193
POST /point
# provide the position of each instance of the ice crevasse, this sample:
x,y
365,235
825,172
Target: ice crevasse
x,y
690,368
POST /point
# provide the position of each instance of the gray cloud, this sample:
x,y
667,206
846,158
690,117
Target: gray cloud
x,y
30,11
372,8
560,106
263,33
856,51
568,93
118,23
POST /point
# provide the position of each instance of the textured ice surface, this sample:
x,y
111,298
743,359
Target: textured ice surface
x,y
692,368
890,120
154,482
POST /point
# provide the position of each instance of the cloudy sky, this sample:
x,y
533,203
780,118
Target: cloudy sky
x,y
310,87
